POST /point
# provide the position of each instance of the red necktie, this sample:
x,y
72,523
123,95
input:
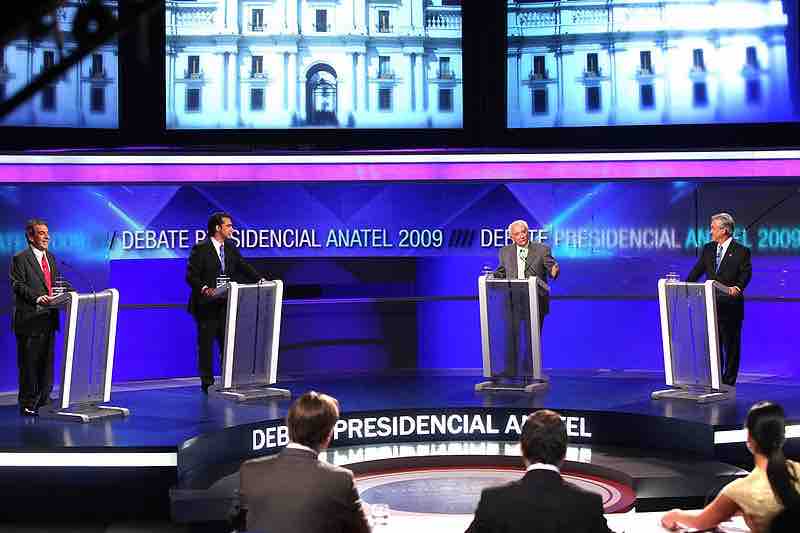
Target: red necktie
x,y
46,270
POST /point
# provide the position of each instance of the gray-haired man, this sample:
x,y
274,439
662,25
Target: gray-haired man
x,y
521,260
727,261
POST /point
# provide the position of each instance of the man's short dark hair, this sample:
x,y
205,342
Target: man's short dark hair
x,y
544,438
31,224
216,220
311,419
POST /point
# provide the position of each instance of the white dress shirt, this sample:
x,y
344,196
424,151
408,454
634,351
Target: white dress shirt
x,y
521,266
543,466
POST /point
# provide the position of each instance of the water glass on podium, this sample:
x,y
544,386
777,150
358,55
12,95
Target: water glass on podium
x,y
379,513
673,277
223,280
487,271
59,286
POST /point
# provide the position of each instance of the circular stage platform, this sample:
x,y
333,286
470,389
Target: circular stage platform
x,y
179,451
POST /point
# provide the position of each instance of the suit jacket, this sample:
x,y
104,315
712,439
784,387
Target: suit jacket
x,y
538,263
202,271
541,502
295,492
734,270
27,284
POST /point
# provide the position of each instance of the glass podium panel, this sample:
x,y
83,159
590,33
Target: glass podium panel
x,y
509,325
90,352
688,334
254,331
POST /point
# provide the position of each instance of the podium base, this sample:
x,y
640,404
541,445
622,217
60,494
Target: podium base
x,y
699,395
84,413
534,385
250,392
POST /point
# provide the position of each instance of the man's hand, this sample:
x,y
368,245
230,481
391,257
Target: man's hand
x,y
734,291
554,271
208,292
43,300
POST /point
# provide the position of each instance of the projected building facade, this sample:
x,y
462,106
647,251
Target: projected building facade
x,y
313,63
586,63
85,96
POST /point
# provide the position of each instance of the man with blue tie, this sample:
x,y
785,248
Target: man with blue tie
x,y
215,258
728,262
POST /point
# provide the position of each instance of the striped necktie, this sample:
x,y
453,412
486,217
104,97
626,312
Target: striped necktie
x,y
719,258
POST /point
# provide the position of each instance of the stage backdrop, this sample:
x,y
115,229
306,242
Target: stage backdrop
x,y
383,276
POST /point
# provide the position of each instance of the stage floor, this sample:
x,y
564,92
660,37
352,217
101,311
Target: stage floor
x,y
179,449
163,415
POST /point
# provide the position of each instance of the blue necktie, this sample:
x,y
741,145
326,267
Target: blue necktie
x,y
719,258
222,258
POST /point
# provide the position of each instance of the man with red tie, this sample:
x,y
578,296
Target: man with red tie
x,y
33,271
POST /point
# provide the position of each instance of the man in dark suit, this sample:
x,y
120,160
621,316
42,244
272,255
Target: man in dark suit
x,y
728,262
541,501
210,259
521,260
33,274
294,491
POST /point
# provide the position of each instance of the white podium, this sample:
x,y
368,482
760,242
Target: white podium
x,y
690,339
89,338
510,334
252,338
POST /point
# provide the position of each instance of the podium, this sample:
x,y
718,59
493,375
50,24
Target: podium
x,y
90,332
252,337
510,333
691,341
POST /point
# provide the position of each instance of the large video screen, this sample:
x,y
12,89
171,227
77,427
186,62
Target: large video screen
x,y
576,63
313,64
86,96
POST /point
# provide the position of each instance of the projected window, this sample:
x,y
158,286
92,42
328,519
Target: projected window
x,y
753,92
645,62
97,66
193,68
592,65
385,67
692,62
697,60
193,100
257,20
98,100
539,70
444,69
593,99
752,57
385,99
700,94
383,21
446,100
49,98
539,101
257,99
48,59
647,96
323,63
257,67
322,21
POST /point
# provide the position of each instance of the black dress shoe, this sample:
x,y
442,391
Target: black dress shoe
x,y
205,387
28,411
47,400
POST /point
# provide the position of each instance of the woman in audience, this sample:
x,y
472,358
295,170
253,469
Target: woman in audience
x,y
773,485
